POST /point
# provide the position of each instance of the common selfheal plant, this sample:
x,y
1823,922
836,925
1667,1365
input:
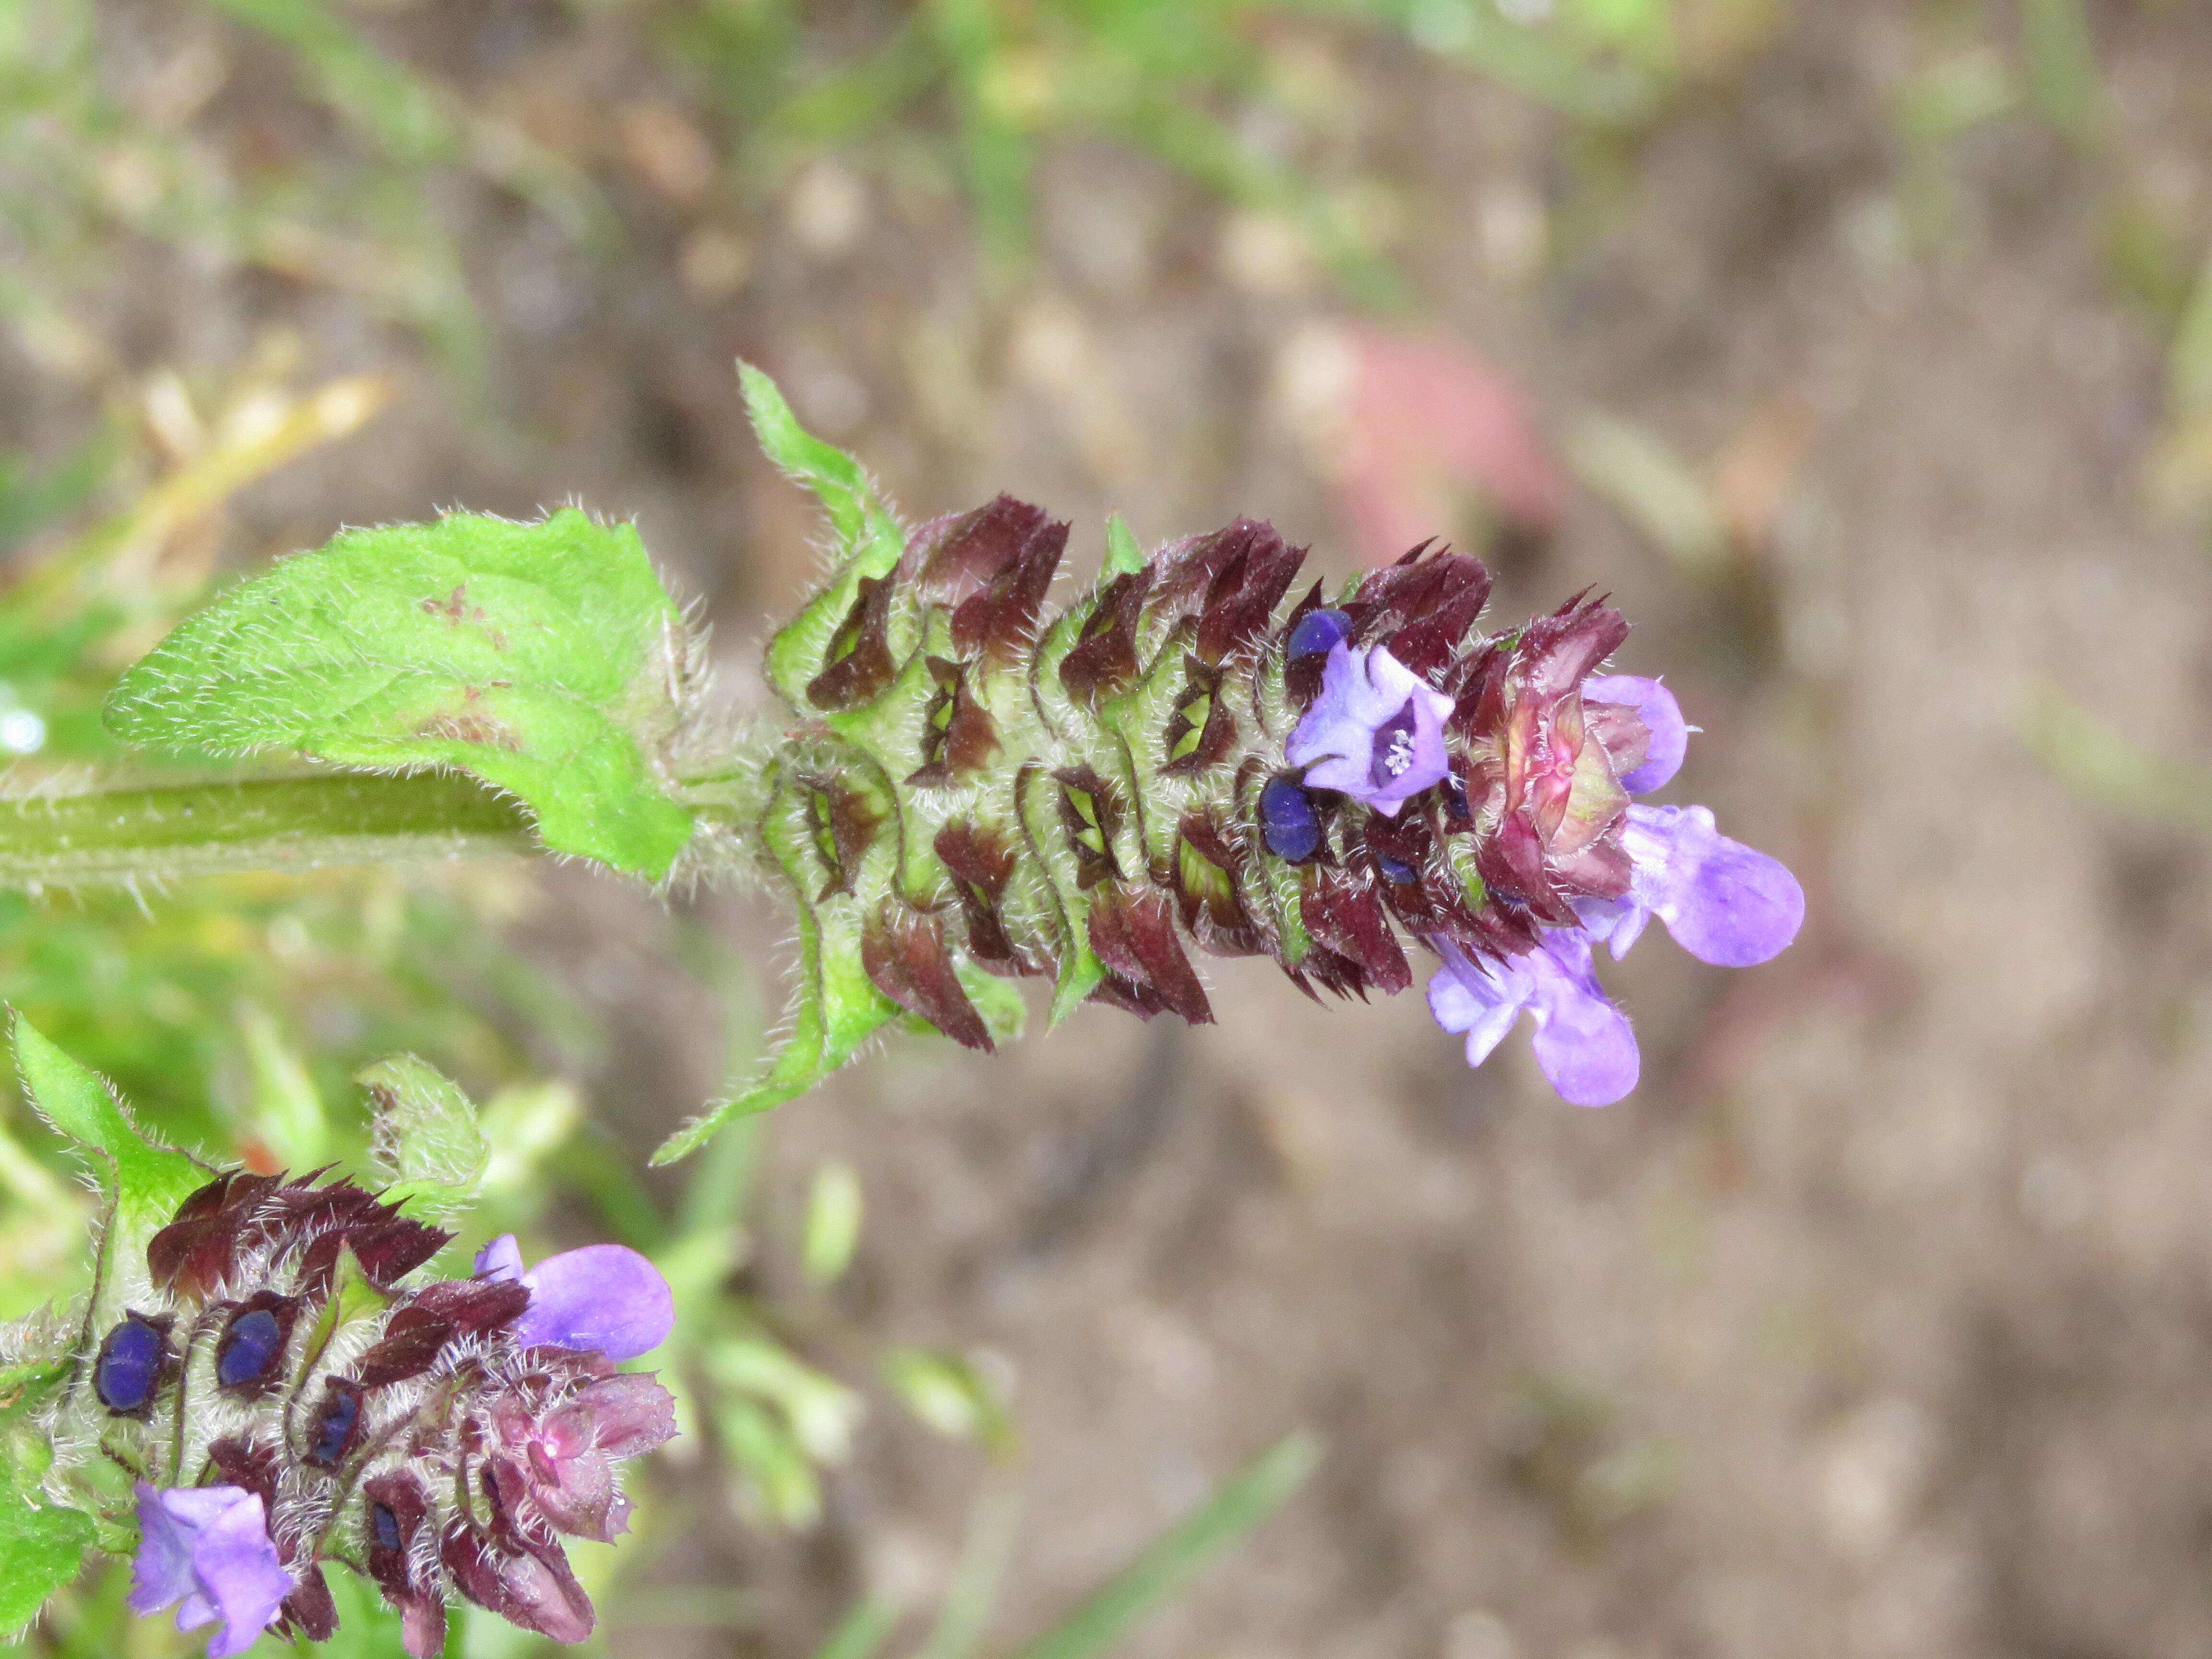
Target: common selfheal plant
x,y
967,785
273,1366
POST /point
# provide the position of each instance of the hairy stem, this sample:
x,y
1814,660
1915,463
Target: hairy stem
x,y
110,832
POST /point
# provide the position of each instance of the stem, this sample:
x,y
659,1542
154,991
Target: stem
x,y
127,834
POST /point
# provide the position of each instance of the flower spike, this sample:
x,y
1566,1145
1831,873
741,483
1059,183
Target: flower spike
x,y
293,1408
1194,757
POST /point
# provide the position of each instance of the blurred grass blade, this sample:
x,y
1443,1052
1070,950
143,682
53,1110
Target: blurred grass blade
x,y
951,1395
2062,67
1232,1511
284,1113
993,1528
1662,495
833,1222
28,502
383,98
2178,474
863,1631
117,556
2100,765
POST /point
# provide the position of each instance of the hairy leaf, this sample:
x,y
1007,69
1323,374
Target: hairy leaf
x,y
543,658
424,1138
142,1180
41,1542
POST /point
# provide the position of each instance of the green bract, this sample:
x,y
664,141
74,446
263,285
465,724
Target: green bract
x,y
546,659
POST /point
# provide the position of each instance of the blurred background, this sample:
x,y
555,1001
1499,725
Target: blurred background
x,y
1862,351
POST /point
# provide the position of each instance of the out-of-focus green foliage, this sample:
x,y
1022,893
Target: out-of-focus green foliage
x,y
1234,96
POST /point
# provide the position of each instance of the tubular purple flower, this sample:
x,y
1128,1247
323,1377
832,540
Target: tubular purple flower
x,y
1655,705
1375,732
1724,902
1582,1042
209,1548
605,1297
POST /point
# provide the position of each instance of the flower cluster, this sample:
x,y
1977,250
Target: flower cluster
x,y
1551,757
1190,754
288,1400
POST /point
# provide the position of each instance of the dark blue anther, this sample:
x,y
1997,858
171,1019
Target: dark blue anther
x,y
1395,872
250,1347
335,1425
129,1368
384,1526
1288,821
1317,630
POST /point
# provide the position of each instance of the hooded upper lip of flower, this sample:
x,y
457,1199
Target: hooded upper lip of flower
x,y
1375,732
209,1548
1723,901
603,1297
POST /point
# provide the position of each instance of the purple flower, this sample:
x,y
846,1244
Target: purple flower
x,y
1724,902
605,1297
1582,1042
1376,732
209,1545
1668,735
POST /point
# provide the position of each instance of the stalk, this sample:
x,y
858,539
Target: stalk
x,y
114,831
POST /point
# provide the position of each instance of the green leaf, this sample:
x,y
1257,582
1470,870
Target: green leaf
x,y
950,1394
542,658
143,1179
40,1542
424,1141
41,1546
1233,1510
992,1530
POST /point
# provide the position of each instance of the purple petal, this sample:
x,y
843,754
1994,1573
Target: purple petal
x,y
1662,715
1740,909
1583,1042
1465,996
1723,901
500,1260
1615,923
237,1568
1375,732
605,1296
163,1571
209,1546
